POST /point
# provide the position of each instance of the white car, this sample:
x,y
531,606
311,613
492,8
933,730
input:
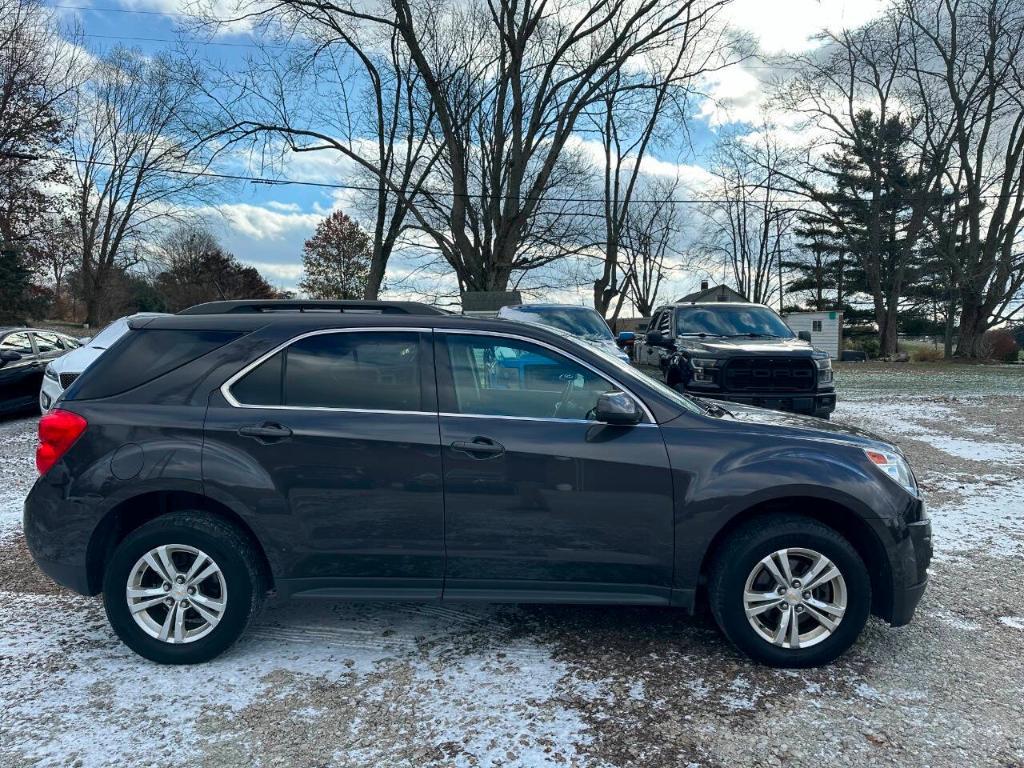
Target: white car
x,y
583,322
60,373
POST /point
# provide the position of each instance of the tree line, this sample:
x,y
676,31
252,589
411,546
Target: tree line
x,y
515,143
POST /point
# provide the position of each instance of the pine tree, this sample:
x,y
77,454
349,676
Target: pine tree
x,y
875,210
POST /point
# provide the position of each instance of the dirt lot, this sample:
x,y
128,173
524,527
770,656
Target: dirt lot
x,y
318,684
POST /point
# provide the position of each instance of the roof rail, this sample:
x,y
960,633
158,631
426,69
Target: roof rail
x,y
257,306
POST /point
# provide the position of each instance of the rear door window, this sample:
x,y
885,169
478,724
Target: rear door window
x,y
371,370
17,342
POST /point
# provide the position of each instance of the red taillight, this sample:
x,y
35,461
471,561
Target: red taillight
x,y
58,431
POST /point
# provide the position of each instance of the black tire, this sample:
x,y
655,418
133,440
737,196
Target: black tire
x,y
757,539
230,549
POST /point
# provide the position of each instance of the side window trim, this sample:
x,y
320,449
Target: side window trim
x,y
446,394
225,388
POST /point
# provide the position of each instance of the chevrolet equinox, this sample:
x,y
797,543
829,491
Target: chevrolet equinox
x,y
388,450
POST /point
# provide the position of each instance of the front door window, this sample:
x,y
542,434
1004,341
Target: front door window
x,y
506,377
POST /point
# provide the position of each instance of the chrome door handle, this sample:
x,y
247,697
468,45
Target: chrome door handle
x,y
479,447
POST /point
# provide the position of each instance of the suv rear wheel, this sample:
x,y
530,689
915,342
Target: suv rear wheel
x,y
182,588
789,591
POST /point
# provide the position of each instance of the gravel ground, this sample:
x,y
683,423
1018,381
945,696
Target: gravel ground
x,y
335,684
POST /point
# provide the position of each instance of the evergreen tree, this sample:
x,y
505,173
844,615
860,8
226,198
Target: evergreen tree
x,y
875,210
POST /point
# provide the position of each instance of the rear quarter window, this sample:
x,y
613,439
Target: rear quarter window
x,y
141,356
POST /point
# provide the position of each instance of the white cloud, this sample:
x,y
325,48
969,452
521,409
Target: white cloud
x,y
788,26
286,273
261,222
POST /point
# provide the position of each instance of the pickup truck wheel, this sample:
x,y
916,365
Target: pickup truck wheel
x,y
789,591
182,588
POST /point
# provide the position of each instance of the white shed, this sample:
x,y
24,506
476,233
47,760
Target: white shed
x,y
826,329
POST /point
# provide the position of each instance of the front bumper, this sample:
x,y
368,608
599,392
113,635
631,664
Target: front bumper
x,y
48,394
909,557
811,403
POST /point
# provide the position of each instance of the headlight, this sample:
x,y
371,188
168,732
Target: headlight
x,y
895,466
824,365
50,373
703,368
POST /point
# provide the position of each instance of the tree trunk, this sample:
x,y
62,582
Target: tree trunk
x,y
885,316
374,280
972,329
947,340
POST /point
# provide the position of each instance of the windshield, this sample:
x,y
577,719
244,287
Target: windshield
x,y
731,321
579,321
628,372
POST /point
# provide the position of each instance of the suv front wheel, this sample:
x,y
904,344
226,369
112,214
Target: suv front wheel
x,y
789,591
182,588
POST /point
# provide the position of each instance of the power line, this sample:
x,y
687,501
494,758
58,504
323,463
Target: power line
x,y
173,41
281,182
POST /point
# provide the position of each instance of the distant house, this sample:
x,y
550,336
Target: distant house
x,y
715,293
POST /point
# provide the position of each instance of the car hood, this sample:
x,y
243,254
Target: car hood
x,y
711,344
795,424
609,346
75,361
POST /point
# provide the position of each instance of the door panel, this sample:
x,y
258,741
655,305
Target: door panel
x,y
20,381
566,505
352,495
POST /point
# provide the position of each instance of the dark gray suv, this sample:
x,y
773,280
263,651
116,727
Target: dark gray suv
x,y
390,451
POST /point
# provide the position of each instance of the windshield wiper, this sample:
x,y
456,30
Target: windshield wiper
x,y
711,408
752,335
703,335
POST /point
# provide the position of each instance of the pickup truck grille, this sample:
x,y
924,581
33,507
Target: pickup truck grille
x,y
768,374
67,379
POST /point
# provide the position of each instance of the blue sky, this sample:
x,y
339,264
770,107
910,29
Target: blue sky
x,y
266,225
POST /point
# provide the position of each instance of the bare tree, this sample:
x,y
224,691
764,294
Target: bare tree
x,y
650,243
640,108
348,89
192,267
966,64
39,70
134,163
506,81
748,214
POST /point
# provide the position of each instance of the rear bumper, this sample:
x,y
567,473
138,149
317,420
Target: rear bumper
x,y
810,403
57,532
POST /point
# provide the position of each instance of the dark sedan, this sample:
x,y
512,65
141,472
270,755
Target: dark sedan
x,y
24,355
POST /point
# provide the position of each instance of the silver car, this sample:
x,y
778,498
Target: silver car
x,y
582,322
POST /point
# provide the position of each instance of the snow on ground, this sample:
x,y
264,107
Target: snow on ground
x,y
17,470
112,703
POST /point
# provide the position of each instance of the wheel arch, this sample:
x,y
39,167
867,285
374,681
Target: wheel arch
x,y
837,516
129,514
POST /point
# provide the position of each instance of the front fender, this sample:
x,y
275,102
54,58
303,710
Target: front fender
x,y
720,478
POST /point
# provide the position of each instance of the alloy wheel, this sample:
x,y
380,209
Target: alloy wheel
x,y
176,593
795,598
